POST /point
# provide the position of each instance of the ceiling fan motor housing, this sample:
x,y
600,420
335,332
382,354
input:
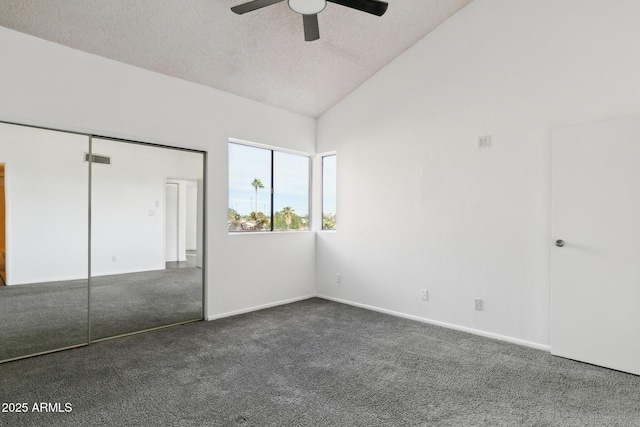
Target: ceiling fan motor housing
x,y
307,7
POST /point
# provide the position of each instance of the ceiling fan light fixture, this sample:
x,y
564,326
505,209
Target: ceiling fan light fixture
x,y
307,7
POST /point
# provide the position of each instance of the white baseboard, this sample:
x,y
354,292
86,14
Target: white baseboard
x,y
390,312
258,307
443,324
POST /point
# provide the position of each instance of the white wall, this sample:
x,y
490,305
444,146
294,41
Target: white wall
x,y
128,204
421,207
47,204
46,188
49,85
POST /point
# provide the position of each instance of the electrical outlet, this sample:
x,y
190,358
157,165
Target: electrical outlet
x,y
484,141
338,278
114,258
424,294
477,304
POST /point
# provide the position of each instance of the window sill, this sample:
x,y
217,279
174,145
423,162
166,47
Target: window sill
x,y
249,233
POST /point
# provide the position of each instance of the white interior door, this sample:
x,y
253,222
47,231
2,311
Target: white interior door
x,y
596,274
171,225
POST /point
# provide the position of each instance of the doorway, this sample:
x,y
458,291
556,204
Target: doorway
x,y
172,222
181,223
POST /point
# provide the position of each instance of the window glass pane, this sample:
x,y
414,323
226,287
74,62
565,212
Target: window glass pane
x,y
329,192
291,191
249,188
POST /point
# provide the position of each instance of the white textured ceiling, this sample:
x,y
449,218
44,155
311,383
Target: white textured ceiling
x,y
260,55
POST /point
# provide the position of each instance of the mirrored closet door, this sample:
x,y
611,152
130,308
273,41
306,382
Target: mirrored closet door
x,y
98,238
146,245
43,249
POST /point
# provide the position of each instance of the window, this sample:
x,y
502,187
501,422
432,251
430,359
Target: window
x,y
329,192
268,189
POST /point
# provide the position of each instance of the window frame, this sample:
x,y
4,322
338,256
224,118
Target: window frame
x,y
273,150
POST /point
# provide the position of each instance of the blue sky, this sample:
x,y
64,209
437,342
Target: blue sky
x,y
329,185
291,180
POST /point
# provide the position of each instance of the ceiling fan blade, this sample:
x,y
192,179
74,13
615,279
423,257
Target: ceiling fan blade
x,y
253,5
311,28
370,6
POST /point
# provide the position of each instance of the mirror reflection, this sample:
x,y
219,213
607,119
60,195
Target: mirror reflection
x,y
66,280
44,232
146,256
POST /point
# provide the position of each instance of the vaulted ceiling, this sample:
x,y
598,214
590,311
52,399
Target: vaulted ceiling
x,y
259,55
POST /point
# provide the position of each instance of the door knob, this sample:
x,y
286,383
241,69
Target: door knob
x,y
559,243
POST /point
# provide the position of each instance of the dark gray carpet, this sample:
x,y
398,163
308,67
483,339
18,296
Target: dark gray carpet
x,y
316,363
133,302
44,316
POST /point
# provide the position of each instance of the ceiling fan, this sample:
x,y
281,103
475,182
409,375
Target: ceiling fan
x,y
309,10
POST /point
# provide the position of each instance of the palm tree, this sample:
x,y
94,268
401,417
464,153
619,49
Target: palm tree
x,y
257,184
287,214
